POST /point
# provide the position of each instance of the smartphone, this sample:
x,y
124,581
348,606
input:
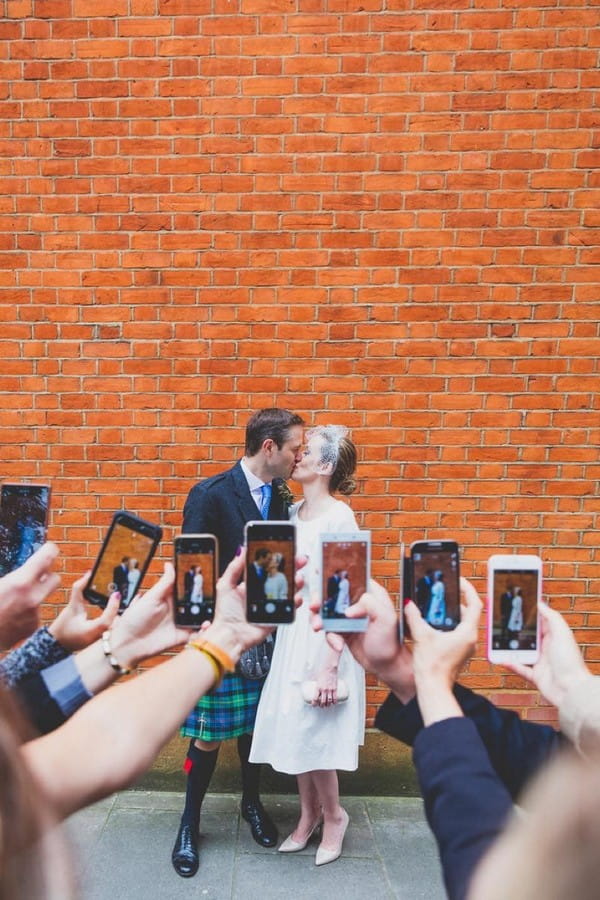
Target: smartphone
x,y
345,573
128,548
435,587
513,591
403,591
23,522
196,567
270,564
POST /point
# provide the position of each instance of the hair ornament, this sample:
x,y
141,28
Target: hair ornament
x,y
332,435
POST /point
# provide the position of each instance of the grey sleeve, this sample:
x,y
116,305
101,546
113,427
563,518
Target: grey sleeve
x,y
38,652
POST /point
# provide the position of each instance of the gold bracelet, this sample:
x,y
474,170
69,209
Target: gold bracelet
x,y
109,655
221,657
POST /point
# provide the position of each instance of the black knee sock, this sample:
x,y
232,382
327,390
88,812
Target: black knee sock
x,y
200,765
250,771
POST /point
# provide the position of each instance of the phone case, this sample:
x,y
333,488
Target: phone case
x,y
126,553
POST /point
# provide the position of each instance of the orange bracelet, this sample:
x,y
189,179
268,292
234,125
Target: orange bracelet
x,y
221,658
214,665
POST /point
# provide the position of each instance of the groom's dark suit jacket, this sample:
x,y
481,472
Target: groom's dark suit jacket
x,y
222,505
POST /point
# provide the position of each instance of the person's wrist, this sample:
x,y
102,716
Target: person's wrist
x,y
400,682
432,676
126,647
573,686
434,689
436,701
226,637
55,631
120,664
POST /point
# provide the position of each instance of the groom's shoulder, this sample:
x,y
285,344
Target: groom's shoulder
x,y
214,483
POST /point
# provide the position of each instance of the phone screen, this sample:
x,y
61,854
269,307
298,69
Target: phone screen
x,y
270,556
123,560
195,580
23,521
514,619
435,580
344,579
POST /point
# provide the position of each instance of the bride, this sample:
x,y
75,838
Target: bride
x,y
312,741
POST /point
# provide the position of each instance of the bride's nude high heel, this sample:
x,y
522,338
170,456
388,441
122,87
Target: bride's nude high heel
x,y
292,846
325,856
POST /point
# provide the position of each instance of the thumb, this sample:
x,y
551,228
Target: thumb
x,y
110,611
525,672
414,619
361,608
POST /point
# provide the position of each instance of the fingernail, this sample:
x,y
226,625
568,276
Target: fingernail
x,y
239,550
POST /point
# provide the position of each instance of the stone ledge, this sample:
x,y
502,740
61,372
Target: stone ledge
x,y
385,769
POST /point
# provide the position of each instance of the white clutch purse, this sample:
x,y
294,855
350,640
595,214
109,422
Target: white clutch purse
x,y
309,691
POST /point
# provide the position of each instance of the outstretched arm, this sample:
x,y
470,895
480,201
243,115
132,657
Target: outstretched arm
x,y
114,738
145,629
466,804
563,678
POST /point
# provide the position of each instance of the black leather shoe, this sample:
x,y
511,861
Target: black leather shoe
x,y
261,825
185,857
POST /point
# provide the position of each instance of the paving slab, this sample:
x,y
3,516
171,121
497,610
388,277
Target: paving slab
x,y
121,849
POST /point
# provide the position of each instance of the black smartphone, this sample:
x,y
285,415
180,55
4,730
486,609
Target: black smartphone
x,y
23,522
125,555
196,567
270,565
435,587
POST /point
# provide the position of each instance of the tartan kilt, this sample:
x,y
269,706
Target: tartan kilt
x,y
226,712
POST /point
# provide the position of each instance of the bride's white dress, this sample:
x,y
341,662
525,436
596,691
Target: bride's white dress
x,y
289,734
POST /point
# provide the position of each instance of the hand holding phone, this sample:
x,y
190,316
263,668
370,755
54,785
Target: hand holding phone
x,y
196,567
435,582
514,590
560,667
124,557
269,576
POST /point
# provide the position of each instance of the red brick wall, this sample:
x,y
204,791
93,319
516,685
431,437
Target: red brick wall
x,y
382,213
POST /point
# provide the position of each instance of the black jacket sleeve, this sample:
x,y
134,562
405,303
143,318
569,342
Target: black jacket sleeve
x,y
465,802
37,703
516,748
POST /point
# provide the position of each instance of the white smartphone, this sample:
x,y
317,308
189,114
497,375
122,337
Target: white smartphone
x,y
345,573
514,589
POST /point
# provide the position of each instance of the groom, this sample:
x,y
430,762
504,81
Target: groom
x,y
257,574
222,505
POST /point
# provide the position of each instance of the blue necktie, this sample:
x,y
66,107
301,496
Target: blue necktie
x,y
265,500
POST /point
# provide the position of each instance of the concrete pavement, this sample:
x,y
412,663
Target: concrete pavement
x,y
121,849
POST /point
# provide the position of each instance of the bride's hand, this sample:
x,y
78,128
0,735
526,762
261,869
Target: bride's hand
x,y
326,687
